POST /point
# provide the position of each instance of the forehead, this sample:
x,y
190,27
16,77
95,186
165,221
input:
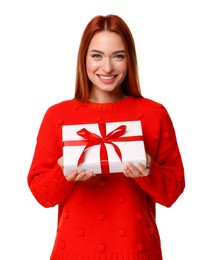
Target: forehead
x,y
106,40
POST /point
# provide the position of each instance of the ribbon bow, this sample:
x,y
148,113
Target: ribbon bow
x,y
94,139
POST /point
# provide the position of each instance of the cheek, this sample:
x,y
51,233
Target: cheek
x,y
91,66
123,69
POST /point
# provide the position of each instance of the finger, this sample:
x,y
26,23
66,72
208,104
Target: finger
x,y
127,171
149,161
83,176
131,171
144,171
139,171
60,162
79,176
87,176
71,176
134,171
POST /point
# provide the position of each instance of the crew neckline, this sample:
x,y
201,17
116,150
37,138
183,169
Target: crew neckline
x,y
107,106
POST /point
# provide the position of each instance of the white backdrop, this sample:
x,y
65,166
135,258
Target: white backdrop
x,y
38,48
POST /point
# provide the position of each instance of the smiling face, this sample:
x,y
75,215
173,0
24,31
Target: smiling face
x,y
106,66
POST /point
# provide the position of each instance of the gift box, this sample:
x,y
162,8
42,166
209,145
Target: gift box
x,y
102,147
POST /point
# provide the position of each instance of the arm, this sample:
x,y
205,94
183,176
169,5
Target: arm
x,y
45,178
164,181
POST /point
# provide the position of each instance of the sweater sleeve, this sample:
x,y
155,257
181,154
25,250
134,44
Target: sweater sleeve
x,y
45,178
166,181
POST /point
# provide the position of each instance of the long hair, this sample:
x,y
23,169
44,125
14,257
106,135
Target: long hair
x,y
113,23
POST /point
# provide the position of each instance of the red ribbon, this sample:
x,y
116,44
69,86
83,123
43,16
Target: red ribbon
x,y
91,139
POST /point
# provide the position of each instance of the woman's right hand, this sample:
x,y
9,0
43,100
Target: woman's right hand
x,y
75,175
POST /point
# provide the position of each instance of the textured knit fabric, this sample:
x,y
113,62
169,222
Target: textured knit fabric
x,y
110,216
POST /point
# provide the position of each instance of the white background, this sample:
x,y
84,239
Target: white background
x,y
38,48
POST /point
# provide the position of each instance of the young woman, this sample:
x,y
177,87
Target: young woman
x,y
107,216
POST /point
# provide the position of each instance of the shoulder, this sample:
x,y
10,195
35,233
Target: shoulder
x,y
57,112
63,105
62,108
150,107
150,103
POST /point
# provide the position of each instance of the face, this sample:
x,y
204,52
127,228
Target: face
x,y
106,65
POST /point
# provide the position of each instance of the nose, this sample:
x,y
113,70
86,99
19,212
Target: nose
x,y
108,65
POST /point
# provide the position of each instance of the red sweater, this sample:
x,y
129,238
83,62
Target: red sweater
x,y
108,216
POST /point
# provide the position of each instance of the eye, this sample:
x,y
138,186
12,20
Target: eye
x,y
119,57
96,56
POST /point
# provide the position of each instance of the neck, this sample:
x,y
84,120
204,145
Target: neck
x,y
106,97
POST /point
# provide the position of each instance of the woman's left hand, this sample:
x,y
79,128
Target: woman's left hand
x,y
139,170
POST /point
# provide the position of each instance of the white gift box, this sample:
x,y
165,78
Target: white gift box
x,y
103,147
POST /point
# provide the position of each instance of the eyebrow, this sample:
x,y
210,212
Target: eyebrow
x,y
101,52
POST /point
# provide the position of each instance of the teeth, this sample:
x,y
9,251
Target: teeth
x,y
106,77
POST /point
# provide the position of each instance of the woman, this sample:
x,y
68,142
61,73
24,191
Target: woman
x,y
107,216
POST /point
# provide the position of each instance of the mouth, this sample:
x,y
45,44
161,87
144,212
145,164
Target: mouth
x,y
106,77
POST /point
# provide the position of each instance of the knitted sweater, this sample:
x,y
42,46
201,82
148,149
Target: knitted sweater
x,y
109,216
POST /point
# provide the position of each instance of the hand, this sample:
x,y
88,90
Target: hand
x,y
139,170
75,175
79,176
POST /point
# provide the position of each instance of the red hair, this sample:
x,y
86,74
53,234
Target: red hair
x,y
113,23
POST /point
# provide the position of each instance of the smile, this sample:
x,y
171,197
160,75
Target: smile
x,y
106,77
